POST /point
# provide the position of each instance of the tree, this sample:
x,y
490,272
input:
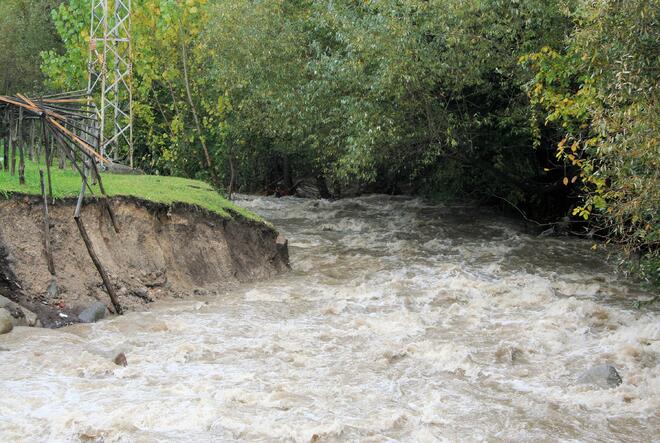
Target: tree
x,y
602,94
26,31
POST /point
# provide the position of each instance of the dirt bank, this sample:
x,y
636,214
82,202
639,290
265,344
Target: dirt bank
x,y
161,251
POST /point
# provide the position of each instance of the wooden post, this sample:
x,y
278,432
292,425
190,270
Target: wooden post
x,y
5,144
49,255
6,151
21,148
12,145
92,253
32,135
47,154
106,202
39,147
61,164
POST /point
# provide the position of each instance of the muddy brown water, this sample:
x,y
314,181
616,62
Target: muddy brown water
x,y
401,321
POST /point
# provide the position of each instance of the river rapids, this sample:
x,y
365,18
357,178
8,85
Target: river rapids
x,y
400,321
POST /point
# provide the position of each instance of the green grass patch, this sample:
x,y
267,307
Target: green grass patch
x,y
66,183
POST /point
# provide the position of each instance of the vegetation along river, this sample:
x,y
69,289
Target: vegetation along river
x,y
400,321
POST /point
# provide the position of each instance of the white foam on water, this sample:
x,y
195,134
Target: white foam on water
x,y
401,321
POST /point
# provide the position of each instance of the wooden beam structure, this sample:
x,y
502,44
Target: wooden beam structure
x,y
69,120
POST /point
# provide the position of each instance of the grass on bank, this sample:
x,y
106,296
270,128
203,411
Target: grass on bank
x,y
66,183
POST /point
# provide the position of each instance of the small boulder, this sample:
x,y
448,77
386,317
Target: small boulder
x,y
6,324
120,359
143,293
281,240
603,376
93,313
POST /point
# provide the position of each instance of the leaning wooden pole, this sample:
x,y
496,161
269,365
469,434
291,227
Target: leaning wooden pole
x,y
47,250
106,201
92,253
47,154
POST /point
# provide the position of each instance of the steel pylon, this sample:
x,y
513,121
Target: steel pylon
x,y
110,77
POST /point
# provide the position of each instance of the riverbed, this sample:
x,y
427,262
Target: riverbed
x,y
401,320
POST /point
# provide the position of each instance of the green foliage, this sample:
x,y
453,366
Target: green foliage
x,y
25,30
420,92
602,92
166,139
69,73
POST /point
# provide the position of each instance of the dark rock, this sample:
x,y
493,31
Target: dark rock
x,y
93,313
603,376
20,315
155,279
118,168
510,355
282,247
120,359
281,240
307,188
6,324
142,293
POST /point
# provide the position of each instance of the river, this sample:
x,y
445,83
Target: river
x,y
400,321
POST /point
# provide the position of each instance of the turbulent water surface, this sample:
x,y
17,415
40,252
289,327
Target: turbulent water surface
x,y
401,321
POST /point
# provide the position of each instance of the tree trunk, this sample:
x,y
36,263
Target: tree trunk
x,y
323,186
200,135
232,175
286,172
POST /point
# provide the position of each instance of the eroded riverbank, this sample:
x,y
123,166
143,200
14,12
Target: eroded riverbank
x,y
401,320
161,251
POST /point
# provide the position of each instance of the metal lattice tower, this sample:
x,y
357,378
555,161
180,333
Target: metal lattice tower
x,y
110,76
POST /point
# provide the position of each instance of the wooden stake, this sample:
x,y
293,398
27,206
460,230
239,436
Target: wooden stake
x,y
12,145
106,202
92,253
47,155
21,148
49,255
6,153
32,134
6,142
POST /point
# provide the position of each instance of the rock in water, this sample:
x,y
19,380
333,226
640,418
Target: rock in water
x,y
93,313
120,359
6,324
603,376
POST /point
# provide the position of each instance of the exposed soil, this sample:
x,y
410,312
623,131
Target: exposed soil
x,y
161,251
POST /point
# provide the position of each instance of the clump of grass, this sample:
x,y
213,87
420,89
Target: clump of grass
x,y
160,189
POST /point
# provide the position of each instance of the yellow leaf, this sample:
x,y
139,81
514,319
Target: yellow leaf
x,y
574,179
565,181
